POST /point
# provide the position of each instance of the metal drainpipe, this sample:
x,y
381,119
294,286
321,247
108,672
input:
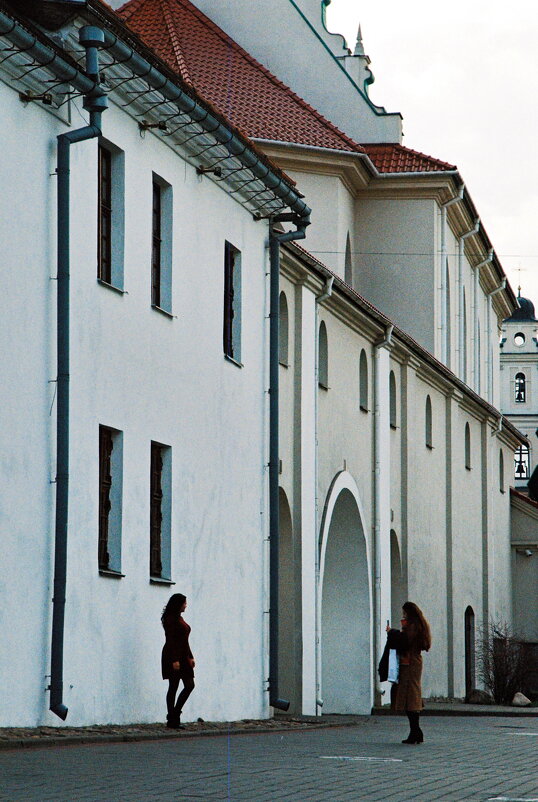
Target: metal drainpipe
x,y
378,500
274,524
95,101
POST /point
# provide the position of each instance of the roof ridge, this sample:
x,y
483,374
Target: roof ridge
x,y
176,44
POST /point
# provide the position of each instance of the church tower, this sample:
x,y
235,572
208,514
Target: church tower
x,y
519,384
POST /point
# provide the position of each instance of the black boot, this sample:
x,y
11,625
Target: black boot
x,y
416,735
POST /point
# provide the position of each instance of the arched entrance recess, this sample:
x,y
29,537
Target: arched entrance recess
x,y
397,584
470,681
345,603
289,667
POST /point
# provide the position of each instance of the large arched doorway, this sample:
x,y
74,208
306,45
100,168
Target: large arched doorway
x,y
346,646
289,665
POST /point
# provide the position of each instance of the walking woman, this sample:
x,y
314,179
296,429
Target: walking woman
x,y
414,638
177,661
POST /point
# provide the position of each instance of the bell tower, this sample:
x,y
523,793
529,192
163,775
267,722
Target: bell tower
x,y
519,384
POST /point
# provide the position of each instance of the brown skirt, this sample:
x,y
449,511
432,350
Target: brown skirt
x,y
408,691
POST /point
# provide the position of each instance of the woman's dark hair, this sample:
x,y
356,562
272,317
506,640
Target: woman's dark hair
x,y
173,606
418,629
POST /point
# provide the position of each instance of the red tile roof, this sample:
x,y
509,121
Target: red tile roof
x,y
244,91
393,158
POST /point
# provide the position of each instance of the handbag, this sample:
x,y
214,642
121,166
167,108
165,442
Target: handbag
x,y
394,666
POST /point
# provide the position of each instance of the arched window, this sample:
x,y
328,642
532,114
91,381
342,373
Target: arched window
x,y
521,463
323,357
501,470
469,651
448,320
467,446
363,381
464,334
478,360
348,267
392,400
520,388
428,423
283,330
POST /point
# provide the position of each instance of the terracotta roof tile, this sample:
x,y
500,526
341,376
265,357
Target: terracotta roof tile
x,y
244,91
389,157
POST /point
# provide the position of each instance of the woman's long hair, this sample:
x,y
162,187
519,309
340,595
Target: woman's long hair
x,y
418,629
173,606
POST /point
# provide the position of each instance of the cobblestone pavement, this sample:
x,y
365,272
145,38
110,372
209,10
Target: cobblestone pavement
x,y
462,759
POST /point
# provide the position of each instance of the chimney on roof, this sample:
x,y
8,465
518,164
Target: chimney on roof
x,y
358,65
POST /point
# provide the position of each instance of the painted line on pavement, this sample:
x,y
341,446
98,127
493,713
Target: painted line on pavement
x,y
512,799
522,733
371,759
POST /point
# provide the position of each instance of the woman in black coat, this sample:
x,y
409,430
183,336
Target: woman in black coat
x,y
177,662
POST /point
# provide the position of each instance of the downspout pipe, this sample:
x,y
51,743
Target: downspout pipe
x,y
237,147
385,342
95,101
275,240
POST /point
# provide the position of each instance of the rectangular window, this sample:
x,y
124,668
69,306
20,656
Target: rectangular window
x,y
110,499
232,303
110,215
161,245
160,511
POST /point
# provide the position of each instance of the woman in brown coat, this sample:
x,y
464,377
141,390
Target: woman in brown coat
x,y
177,662
414,638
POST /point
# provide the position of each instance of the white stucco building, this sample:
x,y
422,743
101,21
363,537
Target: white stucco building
x,y
393,462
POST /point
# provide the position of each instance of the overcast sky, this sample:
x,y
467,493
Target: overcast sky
x,y
464,75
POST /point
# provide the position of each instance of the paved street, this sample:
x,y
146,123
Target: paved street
x,y
462,758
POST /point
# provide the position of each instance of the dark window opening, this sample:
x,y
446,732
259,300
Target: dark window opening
x,y
156,246
156,516
104,216
105,485
520,395
229,264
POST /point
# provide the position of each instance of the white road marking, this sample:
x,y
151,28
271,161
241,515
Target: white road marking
x,y
522,733
372,759
512,799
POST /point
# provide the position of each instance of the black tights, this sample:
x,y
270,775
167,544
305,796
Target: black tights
x,y
174,710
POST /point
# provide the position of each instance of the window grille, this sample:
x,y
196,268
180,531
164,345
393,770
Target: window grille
x,y
229,264
156,516
156,246
104,217
105,484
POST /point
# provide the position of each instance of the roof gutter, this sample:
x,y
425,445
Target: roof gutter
x,y
235,145
46,55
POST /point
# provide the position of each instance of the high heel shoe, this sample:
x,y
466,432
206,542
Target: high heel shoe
x,y
415,738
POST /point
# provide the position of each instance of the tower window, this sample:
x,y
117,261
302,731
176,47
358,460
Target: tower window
x,y
520,388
